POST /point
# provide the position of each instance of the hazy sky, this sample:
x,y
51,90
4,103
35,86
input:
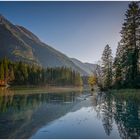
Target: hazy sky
x,y
78,29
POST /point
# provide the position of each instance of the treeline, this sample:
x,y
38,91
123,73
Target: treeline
x,y
19,73
124,70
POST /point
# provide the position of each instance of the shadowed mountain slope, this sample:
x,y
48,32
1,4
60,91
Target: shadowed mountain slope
x,y
19,44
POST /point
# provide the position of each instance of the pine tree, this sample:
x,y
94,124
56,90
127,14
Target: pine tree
x,y
20,73
118,69
1,71
5,65
107,67
130,44
11,75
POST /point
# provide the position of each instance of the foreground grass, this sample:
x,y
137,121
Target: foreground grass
x,y
20,90
127,94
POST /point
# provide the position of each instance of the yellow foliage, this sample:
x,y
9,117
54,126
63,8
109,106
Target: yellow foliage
x,y
92,80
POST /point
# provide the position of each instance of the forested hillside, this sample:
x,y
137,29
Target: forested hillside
x,y
19,73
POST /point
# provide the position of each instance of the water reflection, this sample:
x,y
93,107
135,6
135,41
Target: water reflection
x,y
22,115
20,102
124,111
103,115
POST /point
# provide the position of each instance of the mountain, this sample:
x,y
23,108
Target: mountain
x,y
88,67
91,67
19,44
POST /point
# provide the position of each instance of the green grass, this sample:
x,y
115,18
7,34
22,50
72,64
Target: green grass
x,y
127,94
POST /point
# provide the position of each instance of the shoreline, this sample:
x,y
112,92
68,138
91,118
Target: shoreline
x,y
23,90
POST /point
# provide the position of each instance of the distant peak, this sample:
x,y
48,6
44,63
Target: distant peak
x,y
6,21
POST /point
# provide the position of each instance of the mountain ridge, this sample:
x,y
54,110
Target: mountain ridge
x,y
88,67
19,44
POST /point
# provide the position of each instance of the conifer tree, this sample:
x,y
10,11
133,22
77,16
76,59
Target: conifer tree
x,y
118,69
11,75
5,65
130,45
1,71
107,67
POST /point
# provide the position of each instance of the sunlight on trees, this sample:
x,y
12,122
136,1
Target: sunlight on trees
x,y
92,80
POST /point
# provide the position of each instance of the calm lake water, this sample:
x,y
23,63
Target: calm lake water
x,y
69,115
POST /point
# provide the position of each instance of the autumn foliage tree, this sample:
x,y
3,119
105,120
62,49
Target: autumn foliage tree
x,y
92,80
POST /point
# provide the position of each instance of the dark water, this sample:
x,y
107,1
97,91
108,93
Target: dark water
x,y
70,115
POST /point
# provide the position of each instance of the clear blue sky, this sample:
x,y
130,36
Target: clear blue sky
x,y
78,29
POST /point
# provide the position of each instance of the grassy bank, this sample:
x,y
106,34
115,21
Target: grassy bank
x,y
127,94
20,90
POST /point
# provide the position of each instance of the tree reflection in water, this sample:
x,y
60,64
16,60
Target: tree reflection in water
x,y
123,109
22,115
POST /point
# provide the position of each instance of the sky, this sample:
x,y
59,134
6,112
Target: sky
x,y
78,29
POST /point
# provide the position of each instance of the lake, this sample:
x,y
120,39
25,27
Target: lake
x,y
70,115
